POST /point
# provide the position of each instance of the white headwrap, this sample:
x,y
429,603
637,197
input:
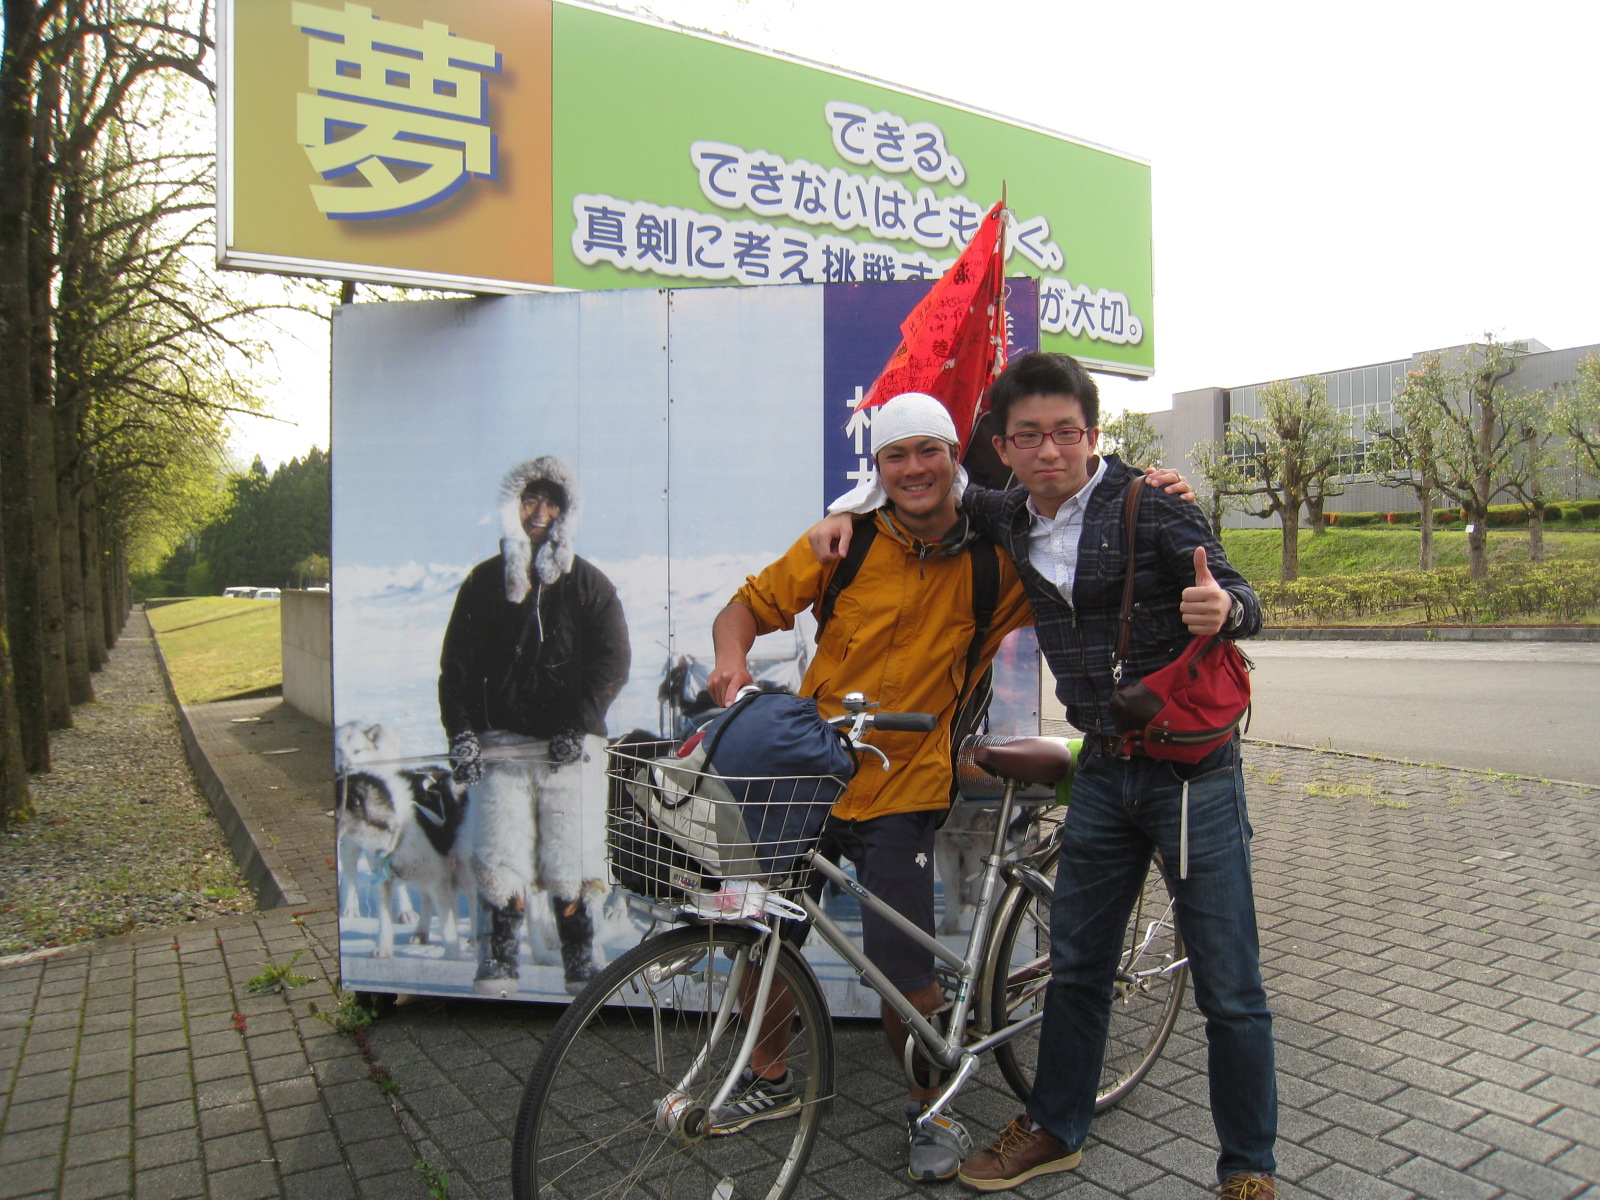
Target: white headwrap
x,y
911,414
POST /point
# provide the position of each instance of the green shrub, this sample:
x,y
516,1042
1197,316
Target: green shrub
x,y
1589,508
1408,519
1356,520
1552,512
1564,590
1444,516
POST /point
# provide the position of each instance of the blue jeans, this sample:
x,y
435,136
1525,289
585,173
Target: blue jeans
x,y
1121,810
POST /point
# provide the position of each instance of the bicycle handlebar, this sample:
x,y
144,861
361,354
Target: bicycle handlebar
x,y
905,722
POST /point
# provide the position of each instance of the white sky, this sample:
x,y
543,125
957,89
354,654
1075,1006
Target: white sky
x,y
1333,184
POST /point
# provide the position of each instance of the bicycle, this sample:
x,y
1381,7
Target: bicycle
x,y
621,1100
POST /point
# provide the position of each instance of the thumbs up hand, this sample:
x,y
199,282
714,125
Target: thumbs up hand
x,y
1206,605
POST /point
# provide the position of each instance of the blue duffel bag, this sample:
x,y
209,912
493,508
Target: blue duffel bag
x,y
786,767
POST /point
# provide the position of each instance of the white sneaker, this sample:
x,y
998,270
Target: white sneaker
x,y
938,1147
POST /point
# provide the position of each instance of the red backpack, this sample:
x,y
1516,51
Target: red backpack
x,y
1189,707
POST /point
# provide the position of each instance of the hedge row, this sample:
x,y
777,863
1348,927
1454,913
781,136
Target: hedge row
x,y
1563,590
1500,515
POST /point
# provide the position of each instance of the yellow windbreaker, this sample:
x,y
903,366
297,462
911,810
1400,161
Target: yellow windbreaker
x,y
899,633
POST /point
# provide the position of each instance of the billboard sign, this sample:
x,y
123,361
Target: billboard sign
x,y
500,146
679,473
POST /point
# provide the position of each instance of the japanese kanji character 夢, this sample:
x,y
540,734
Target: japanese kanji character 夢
x,y
405,109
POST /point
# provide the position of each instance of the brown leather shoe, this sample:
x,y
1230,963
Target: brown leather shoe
x,y
1017,1155
1248,1187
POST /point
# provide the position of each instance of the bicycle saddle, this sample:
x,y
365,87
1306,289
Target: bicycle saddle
x,y
1027,760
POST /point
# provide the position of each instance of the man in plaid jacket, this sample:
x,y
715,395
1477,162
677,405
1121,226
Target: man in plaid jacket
x,y
1063,529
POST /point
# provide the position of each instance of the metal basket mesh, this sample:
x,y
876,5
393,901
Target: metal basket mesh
x,y
675,830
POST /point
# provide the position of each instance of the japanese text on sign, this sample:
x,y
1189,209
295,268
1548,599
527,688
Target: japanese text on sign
x,y
402,110
685,243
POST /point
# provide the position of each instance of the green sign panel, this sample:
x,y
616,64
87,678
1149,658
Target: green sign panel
x,y
691,159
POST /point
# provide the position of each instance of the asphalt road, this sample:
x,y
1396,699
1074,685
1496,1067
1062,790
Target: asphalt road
x,y
1525,708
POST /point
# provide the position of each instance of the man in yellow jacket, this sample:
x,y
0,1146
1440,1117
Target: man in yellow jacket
x,y
900,633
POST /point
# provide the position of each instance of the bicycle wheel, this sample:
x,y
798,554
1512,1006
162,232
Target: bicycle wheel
x,y
589,1125
1146,997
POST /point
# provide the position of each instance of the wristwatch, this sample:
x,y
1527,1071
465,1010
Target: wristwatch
x,y
1235,615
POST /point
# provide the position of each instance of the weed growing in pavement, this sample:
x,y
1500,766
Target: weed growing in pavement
x,y
353,1019
277,977
1336,789
1388,804
349,1017
435,1180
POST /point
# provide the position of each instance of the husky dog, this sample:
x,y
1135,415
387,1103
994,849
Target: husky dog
x,y
406,820
958,850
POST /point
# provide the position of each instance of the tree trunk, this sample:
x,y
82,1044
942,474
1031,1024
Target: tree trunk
x,y
1477,542
47,542
94,598
111,610
1535,509
21,614
1425,523
117,561
80,688
1314,507
1482,490
1290,570
16,803
47,522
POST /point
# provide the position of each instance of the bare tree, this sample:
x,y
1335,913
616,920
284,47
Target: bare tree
x,y
1287,455
121,345
1578,416
1221,484
1133,438
1478,423
1405,454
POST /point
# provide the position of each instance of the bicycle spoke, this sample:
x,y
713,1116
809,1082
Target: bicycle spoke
x,y
589,1127
1146,996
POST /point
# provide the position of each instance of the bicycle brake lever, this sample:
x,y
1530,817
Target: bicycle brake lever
x,y
875,750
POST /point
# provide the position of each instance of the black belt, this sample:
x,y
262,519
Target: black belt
x,y
1106,743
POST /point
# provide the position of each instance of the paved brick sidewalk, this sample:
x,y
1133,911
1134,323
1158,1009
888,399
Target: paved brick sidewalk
x,y
1430,938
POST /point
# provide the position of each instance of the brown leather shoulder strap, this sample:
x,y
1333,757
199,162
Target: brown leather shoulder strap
x,y
1130,521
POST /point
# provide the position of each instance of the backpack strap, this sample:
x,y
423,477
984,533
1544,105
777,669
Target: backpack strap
x,y
866,528
1130,521
985,596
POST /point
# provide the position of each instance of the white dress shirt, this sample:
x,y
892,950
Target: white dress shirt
x,y
1053,541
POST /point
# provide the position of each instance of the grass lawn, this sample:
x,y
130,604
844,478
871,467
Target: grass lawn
x,y
217,647
1257,553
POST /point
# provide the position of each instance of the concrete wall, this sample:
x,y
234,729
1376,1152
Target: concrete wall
x,y
308,653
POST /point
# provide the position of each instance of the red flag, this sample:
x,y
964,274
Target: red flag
x,y
953,343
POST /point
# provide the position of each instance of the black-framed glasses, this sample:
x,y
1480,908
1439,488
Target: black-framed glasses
x,y
1032,439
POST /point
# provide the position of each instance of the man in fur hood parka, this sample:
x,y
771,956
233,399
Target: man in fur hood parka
x,y
535,652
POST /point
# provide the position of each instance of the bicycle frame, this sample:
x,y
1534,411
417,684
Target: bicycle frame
x,y
948,1051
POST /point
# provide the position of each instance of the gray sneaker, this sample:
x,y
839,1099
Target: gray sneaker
x,y
755,1099
937,1147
